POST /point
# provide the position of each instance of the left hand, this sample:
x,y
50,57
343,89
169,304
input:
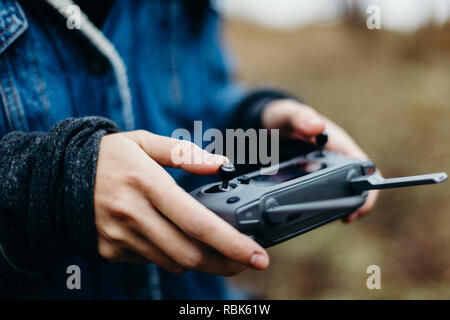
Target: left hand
x,y
297,120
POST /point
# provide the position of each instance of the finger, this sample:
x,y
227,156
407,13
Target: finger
x,y
131,257
369,204
203,225
115,253
220,262
365,208
146,250
339,141
307,123
301,120
118,242
180,248
177,153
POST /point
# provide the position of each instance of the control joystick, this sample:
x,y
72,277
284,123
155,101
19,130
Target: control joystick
x,y
226,172
321,141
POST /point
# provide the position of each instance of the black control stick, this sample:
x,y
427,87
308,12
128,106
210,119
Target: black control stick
x,y
226,172
321,141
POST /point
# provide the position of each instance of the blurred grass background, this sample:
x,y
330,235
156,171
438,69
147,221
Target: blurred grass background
x,y
391,92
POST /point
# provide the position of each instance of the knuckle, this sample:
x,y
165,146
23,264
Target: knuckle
x,y
140,181
134,178
141,134
146,138
193,260
119,208
114,234
116,207
195,227
108,251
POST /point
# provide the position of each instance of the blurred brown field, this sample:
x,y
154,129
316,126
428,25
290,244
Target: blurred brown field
x,y
392,93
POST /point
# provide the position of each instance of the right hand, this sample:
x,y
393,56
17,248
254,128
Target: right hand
x,y
142,215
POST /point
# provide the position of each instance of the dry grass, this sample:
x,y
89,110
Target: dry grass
x,y
392,93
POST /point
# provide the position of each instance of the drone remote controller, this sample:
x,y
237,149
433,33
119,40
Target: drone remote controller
x,y
275,204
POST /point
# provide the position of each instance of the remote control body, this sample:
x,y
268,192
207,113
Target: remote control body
x,y
311,178
281,202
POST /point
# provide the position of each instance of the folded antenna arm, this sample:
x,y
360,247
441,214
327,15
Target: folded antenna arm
x,y
280,213
378,182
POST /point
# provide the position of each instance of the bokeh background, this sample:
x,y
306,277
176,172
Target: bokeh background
x,y
390,89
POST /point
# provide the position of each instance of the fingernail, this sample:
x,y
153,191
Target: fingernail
x,y
215,159
311,123
258,261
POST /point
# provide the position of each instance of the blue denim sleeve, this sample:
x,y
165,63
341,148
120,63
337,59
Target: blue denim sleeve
x,y
239,105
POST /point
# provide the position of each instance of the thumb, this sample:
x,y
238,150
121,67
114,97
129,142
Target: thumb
x,y
307,123
303,120
174,153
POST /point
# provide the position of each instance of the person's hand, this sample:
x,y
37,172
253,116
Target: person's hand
x,y
300,121
142,215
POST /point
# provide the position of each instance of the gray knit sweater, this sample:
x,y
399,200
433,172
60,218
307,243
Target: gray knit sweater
x,y
46,196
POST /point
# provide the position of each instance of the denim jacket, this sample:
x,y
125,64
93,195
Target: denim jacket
x,y
175,73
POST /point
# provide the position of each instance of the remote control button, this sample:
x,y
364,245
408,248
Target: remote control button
x,y
368,169
244,180
233,199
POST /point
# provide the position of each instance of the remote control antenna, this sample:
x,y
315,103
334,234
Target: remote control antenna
x,y
277,214
378,182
